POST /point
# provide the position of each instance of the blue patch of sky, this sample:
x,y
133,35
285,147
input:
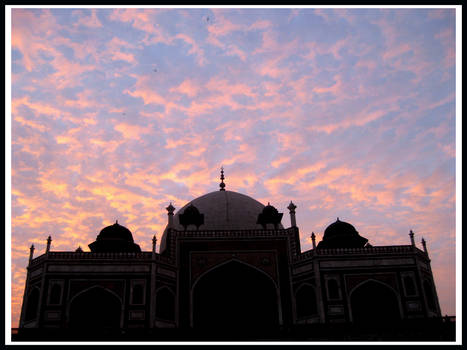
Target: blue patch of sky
x,y
166,59
63,16
45,69
95,78
326,61
123,31
71,92
435,90
16,55
196,22
67,52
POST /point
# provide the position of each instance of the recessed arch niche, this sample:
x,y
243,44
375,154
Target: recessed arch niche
x,y
96,307
374,302
234,296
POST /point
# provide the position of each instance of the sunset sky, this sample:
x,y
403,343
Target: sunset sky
x,y
349,113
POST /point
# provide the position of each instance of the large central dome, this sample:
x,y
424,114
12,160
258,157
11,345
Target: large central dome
x,y
224,210
221,210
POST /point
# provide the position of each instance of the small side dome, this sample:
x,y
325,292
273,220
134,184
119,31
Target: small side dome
x,y
341,234
114,238
339,228
269,215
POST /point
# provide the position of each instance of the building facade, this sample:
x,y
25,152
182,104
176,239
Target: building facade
x,y
226,262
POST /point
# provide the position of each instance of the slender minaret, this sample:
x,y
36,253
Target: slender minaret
x,y
292,208
424,246
222,184
313,240
154,241
49,241
170,213
31,253
412,240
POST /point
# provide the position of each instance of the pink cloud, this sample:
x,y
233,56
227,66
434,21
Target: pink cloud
x,y
145,21
223,87
395,51
25,25
334,89
124,57
195,49
130,131
37,107
187,87
148,95
274,69
88,21
222,26
260,24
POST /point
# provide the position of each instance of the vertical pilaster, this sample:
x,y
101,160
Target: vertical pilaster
x,y
319,290
26,288
152,289
42,291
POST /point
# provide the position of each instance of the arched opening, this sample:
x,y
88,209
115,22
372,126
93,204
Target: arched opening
x,y
429,295
306,301
333,289
55,294
32,304
409,285
137,294
374,302
95,308
165,304
235,296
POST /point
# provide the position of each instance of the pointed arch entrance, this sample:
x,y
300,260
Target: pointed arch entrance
x,y
374,302
235,296
95,308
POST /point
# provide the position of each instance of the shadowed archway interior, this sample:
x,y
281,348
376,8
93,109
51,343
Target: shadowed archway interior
x,y
95,308
235,296
373,302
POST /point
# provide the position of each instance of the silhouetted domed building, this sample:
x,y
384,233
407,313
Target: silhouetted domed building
x,y
227,263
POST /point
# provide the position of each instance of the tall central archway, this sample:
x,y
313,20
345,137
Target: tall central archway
x,y
374,302
235,296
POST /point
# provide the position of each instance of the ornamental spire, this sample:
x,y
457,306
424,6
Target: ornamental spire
x,y
222,184
292,208
154,241
313,240
49,241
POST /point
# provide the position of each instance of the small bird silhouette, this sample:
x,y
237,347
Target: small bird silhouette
x,y
155,69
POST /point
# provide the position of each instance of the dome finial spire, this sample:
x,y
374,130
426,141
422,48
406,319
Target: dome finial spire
x,y
222,184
